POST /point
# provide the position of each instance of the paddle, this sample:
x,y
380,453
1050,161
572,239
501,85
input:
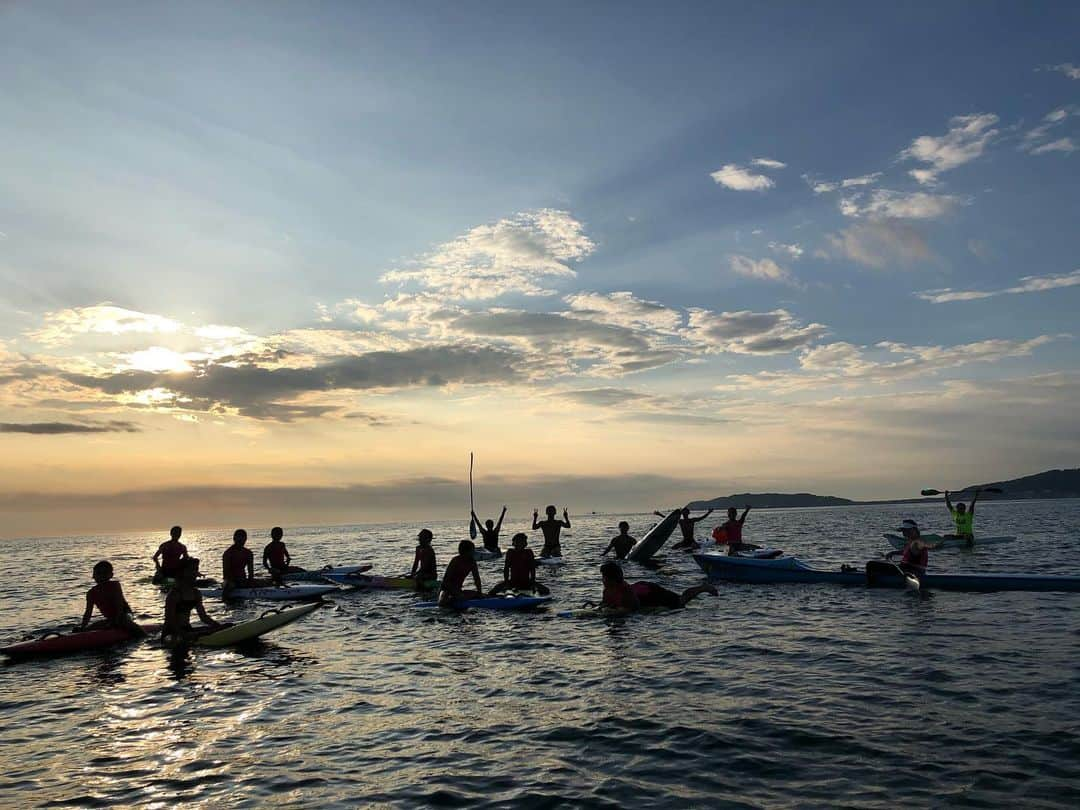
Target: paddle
x,y
995,490
472,506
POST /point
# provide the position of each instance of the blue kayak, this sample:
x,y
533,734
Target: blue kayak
x,y
792,569
494,603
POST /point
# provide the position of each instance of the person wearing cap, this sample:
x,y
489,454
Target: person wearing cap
x,y
963,517
915,554
457,571
425,568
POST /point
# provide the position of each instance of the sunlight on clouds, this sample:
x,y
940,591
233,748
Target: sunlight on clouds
x,y
157,358
765,269
887,204
966,139
1027,284
62,327
739,179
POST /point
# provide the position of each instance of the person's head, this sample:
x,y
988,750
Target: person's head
x,y
732,512
425,537
239,537
551,511
520,540
175,532
961,508
910,530
685,512
189,569
611,573
276,533
465,549
490,524
103,571
624,527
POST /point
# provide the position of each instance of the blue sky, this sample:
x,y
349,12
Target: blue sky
x,y
687,218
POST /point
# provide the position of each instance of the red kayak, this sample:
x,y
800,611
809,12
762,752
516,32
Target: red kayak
x,y
56,644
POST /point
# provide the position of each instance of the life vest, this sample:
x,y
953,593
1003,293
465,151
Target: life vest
x,y
719,534
965,522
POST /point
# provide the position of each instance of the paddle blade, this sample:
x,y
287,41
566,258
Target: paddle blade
x,y
472,529
931,492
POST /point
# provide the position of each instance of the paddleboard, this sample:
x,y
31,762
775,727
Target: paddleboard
x,y
654,538
493,603
761,553
281,594
318,574
67,643
555,560
375,582
245,631
897,541
481,553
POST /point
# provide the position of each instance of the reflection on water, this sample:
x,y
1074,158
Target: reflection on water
x,y
765,695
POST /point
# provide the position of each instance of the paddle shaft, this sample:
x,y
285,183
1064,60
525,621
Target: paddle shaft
x,y
995,490
472,504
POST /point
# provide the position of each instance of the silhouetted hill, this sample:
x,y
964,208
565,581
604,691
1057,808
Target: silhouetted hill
x,y
771,500
1049,484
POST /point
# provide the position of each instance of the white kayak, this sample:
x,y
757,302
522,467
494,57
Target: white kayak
x,y
559,560
246,631
897,541
318,574
282,594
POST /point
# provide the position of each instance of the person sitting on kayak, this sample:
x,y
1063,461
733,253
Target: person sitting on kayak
x,y
730,532
183,598
238,564
454,578
964,518
551,528
108,597
169,556
424,566
915,554
276,559
489,530
621,543
623,597
686,525
519,569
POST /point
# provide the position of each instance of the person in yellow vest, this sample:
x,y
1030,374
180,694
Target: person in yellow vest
x,y
964,518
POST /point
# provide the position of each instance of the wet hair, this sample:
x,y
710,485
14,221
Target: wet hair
x,y
425,536
520,536
276,533
551,510
239,534
624,526
489,523
465,548
612,570
103,567
175,532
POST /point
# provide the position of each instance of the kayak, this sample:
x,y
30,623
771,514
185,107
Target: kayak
x,y
246,631
794,570
878,569
319,574
375,582
64,644
167,583
277,594
553,560
493,603
761,553
654,538
897,541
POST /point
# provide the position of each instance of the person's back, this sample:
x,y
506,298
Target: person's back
x,y
521,564
425,567
169,556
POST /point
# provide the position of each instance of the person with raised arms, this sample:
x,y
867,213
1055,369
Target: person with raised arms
x,y
730,532
183,598
552,528
425,568
686,526
489,530
107,596
169,556
519,569
621,543
457,571
963,517
623,597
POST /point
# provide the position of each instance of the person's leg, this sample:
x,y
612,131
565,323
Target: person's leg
x,y
542,590
697,590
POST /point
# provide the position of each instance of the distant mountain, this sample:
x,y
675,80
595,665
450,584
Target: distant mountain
x,y
1049,484
771,500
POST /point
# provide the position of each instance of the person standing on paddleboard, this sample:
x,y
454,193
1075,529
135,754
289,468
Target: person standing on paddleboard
x,y
489,530
622,542
169,556
622,597
915,556
552,528
686,526
108,597
424,566
237,564
519,569
963,517
183,598
457,571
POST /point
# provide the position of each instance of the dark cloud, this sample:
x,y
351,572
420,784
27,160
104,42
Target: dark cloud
x,y
604,397
60,428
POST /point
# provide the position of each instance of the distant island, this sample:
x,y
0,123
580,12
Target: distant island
x,y
1049,484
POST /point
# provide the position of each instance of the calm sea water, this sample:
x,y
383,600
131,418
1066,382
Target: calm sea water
x,y
764,696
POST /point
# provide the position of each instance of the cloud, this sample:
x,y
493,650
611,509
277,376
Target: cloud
x,y
634,406
513,255
745,332
739,179
793,251
878,244
966,140
62,327
763,269
624,309
1051,121
768,163
1066,68
886,204
824,187
1060,145
1026,284
61,428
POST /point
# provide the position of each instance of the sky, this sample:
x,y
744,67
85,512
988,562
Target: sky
x,y
293,262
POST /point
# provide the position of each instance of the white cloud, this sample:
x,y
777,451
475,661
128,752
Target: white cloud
x,y
624,309
887,204
966,140
878,243
745,332
1051,121
824,187
768,163
62,327
1067,68
792,251
1026,284
739,179
512,255
763,269
1060,145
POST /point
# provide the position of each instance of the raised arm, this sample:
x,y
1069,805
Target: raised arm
x,y
701,517
658,513
536,525
948,501
565,519
746,512
476,520
498,526
975,498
